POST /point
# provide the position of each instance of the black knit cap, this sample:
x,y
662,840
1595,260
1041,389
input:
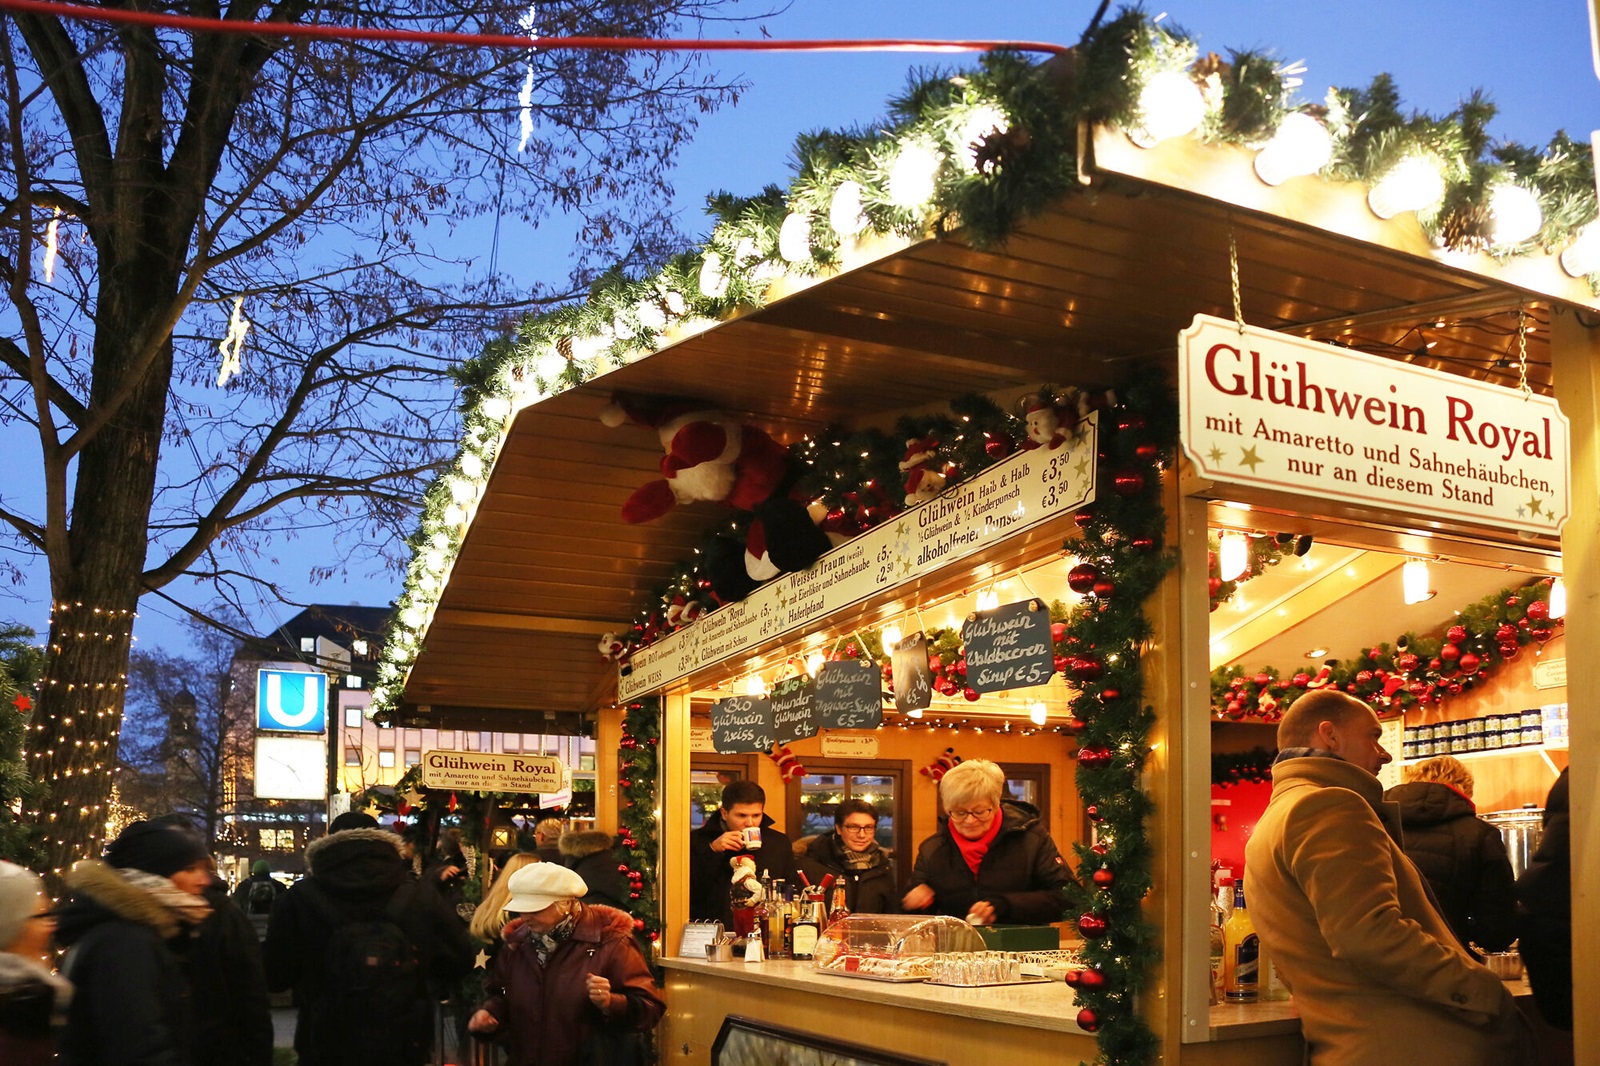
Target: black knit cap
x,y
155,848
353,820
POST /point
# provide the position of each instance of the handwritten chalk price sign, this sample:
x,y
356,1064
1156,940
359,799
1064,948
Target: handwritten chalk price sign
x,y
1008,647
850,695
913,680
741,724
794,709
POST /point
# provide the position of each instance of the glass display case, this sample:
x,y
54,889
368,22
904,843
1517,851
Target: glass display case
x,y
892,947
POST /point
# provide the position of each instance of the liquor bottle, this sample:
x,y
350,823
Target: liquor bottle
x,y
1241,962
838,909
1273,990
804,931
758,924
789,918
775,913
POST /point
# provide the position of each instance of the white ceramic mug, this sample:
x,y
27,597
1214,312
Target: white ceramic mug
x,y
752,838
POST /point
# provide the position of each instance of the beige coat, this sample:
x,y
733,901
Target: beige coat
x,y
1376,973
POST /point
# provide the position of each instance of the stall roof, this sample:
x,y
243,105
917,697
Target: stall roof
x,y
1096,286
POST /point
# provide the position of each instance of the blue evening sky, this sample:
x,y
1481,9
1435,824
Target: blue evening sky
x,y
1532,57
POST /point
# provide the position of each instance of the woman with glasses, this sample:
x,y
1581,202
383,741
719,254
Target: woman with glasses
x,y
990,861
852,855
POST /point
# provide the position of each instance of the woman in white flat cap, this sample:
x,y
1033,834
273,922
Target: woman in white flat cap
x,y
571,986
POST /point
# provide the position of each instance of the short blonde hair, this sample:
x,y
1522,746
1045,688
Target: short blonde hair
x,y
1443,770
970,781
490,916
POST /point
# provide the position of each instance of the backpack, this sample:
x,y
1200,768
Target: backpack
x,y
373,1007
259,901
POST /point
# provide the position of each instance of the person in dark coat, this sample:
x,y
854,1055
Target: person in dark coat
x,y
990,861
356,875
570,984
33,999
126,924
1545,892
256,894
593,856
233,1013
724,836
851,853
1462,857
547,839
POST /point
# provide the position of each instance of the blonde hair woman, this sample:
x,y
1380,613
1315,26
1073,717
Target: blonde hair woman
x,y
990,861
1462,857
490,916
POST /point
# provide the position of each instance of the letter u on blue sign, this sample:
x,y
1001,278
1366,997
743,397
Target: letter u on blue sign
x,y
291,701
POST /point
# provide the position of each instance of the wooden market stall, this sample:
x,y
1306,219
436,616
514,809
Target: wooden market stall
x,y
1094,289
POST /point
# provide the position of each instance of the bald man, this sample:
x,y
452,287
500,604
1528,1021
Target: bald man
x,y
1377,975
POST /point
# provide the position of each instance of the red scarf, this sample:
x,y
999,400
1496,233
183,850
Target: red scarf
x,y
974,850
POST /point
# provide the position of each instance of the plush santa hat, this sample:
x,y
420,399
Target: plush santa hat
x,y
919,450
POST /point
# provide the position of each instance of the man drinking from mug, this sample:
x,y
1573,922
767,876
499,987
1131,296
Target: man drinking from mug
x,y
739,827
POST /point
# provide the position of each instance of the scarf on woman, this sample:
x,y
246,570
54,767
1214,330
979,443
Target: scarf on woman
x,y
189,908
544,945
973,851
20,970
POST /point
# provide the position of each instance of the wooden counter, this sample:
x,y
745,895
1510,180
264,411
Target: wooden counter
x,y
1036,1023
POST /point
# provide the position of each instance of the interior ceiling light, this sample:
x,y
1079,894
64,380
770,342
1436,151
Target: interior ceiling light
x,y
1414,581
1233,555
1038,712
1316,653
1558,598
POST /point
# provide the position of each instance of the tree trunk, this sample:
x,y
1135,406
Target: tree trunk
x,y
97,590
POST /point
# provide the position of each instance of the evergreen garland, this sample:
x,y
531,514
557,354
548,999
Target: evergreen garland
x,y
639,826
21,664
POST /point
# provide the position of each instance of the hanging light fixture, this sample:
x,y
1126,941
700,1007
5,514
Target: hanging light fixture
x,y
1302,145
1038,712
988,600
753,685
1414,581
1170,105
814,663
891,637
1558,598
1413,184
1233,555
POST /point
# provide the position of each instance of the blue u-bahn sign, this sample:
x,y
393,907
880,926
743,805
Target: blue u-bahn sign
x,y
291,701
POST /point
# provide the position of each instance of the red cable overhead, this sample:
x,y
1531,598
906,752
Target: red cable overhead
x,y
194,24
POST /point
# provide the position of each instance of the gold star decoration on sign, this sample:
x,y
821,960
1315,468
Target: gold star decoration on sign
x,y
413,797
372,808
482,961
1535,505
1082,469
1251,459
901,529
1215,454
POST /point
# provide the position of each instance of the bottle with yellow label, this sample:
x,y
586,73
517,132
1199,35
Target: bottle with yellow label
x,y
1241,953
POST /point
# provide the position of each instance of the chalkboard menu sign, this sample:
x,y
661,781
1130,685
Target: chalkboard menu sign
x,y
913,681
794,710
742,724
850,695
1008,647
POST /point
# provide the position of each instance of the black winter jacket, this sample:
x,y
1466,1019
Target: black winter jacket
x,y
869,891
1463,859
233,1018
132,1002
1022,875
592,855
361,872
711,872
1545,892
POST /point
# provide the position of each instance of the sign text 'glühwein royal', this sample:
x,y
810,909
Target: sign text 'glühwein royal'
x,y
1015,494
1270,410
478,771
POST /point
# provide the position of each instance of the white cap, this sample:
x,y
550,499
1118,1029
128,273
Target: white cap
x,y
539,884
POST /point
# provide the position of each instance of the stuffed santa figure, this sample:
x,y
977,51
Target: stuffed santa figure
x,y
926,476
1044,425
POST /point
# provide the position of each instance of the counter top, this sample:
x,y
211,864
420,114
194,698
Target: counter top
x,y
1242,1021
1050,1005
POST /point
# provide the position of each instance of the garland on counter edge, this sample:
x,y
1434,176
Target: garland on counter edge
x,y
1414,672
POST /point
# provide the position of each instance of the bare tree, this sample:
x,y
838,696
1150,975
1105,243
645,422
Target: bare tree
x,y
175,175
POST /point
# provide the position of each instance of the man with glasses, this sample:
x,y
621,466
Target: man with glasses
x,y
852,855
990,861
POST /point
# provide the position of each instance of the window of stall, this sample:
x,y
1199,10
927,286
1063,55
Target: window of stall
x,y
708,776
882,783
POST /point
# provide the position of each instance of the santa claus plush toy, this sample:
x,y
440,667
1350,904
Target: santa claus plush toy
x,y
947,761
788,766
1045,426
709,458
926,477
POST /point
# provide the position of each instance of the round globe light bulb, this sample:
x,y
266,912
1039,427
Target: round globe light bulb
x,y
550,365
1582,257
844,210
1301,146
713,281
471,464
651,316
794,238
1170,105
980,122
454,515
1038,712
495,407
913,174
891,637
1516,213
753,685
814,663
1413,184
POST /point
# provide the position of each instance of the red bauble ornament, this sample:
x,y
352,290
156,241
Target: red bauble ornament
x,y
1147,451
1450,652
1538,611
1214,585
1104,588
1456,634
935,663
1082,518
1469,663
622,868
1088,1020
1262,680
1505,634
1102,877
1058,631
971,695
961,667
1542,633
1081,578
1406,661
638,924
1143,544
1510,651
1087,668
1092,926
1127,483
625,782
1435,665
1108,694
1091,979
1300,680
1094,757
997,445
1063,663
1128,421
1235,710
1092,812
1073,977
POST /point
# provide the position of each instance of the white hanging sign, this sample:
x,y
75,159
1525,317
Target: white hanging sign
x,y
1267,410
1015,494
